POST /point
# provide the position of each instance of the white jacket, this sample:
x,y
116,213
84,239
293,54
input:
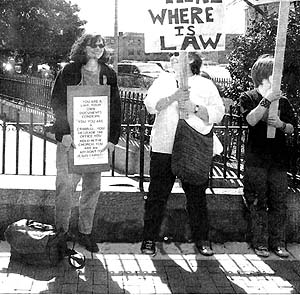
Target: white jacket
x,y
202,92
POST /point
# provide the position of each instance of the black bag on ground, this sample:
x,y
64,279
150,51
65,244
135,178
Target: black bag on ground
x,y
35,243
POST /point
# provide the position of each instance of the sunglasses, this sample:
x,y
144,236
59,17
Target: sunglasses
x,y
96,45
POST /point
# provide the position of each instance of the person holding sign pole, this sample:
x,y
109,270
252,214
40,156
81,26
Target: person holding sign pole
x,y
87,67
203,107
266,159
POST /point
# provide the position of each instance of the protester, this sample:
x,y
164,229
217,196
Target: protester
x,y
265,177
87,67
202,106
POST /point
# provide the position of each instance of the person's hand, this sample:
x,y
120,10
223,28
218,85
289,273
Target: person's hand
x,y
273,96
180,95
183,101
67,142
109,146
273,120
186,106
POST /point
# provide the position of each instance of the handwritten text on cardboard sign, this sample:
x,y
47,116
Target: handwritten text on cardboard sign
x,y
185,24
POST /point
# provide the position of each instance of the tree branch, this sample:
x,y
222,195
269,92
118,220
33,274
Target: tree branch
x,y
255,6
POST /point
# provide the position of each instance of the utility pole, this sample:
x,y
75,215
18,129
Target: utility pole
x,y
116,35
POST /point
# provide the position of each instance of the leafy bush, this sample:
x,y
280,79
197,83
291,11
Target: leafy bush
x,y
259,39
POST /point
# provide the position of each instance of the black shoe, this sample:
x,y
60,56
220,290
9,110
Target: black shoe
x,y
281,252
262,251
70,237
88,242
148,247
204,248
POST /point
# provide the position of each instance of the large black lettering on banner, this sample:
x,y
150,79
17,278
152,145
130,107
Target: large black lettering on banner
x,y
185,25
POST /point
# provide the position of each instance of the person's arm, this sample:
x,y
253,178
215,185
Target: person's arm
x,y
59,106
215,108
257,114
152,97
164,102
156,100
275,121
115,112
287,119
211,113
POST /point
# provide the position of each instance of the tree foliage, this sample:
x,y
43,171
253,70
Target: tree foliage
x,y
45,29
259,39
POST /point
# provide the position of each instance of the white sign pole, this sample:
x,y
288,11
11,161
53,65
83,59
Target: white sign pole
x,y
183,78
283,17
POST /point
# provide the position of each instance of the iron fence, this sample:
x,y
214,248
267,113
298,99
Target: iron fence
x,y
27,91
18,98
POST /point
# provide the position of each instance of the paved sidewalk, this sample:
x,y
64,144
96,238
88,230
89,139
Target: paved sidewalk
x,y
177,268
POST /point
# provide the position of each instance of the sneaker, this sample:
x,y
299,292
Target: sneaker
x,y
281,252
204,248
262,251
148,247
88,242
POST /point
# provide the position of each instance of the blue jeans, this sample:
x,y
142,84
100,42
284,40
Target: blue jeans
x,y
66,184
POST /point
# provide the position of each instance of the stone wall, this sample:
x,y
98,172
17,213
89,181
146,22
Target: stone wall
x,y
119,215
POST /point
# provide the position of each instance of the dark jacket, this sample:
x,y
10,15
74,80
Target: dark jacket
x,y
259,148
71,75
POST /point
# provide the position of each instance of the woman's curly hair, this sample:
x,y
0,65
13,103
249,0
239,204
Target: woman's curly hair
x,y
78,50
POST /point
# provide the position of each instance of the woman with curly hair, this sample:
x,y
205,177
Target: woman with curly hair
x,y
87,67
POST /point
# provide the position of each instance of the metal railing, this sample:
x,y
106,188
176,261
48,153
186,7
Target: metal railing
x,y
26,91
136,129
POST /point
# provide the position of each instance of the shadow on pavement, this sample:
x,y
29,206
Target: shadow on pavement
x,y
60,279
177,268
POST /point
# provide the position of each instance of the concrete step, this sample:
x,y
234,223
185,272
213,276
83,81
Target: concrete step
x,y
120,209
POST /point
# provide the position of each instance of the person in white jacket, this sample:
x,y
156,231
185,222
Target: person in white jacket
x,y
202,106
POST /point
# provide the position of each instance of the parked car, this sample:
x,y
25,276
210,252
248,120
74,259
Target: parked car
x,y
139,68
216,70
165,65
137,74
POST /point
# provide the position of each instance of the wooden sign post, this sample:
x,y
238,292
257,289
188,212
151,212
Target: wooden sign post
x,y
283,17
183,78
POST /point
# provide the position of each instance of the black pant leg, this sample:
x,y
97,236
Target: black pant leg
x,y
161,183
256,194
277,204
197,210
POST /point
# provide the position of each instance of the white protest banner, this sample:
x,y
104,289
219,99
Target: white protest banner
x,y
262,2
184,25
